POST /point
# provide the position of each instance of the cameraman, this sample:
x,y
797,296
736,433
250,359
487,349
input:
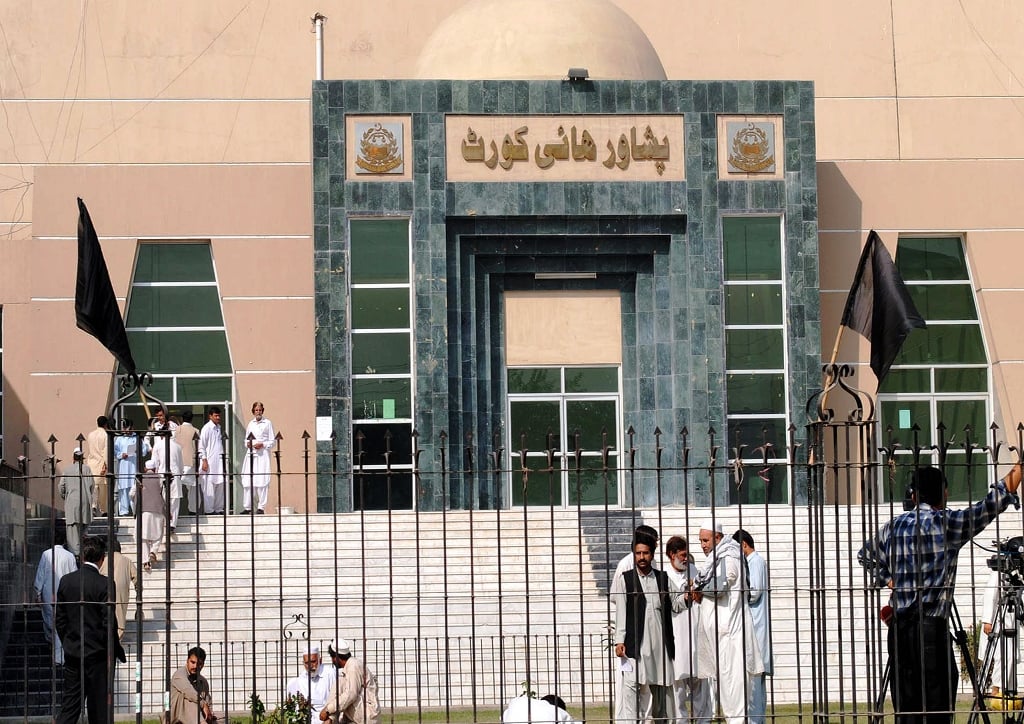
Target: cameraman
x,y
915,554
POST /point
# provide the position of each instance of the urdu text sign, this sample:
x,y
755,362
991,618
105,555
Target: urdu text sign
x,y
565,148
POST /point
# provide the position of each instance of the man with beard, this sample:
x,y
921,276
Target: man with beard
x,y
691,690
313,684
644,642
191,702
726,643
353,696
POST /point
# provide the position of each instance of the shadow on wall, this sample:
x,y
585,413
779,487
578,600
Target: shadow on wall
x,y
839,206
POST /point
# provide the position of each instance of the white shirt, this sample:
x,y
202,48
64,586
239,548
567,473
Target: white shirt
x,y
316,687
527,710
53,565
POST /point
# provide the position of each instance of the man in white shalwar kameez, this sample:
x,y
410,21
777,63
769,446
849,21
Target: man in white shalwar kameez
x,y
692,692
726,648
53,565
644,642
760,616
259,439
211,465
624,565
175,466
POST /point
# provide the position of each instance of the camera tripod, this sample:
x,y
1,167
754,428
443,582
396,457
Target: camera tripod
x,y
1004,642
960,637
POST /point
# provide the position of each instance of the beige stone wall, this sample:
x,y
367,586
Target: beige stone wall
x,y
191,119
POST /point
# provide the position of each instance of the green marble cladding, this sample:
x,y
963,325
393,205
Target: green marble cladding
x,y
658,243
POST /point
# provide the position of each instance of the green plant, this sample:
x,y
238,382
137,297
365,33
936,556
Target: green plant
x,y
974,634
257,707
293,710
528,690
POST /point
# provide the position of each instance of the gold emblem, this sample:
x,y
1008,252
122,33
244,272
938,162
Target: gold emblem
x,y
751,151
379,150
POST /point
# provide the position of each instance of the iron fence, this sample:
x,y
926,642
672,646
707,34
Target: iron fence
x,y
467,606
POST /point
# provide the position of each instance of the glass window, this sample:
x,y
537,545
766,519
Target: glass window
x,y
755,393
541,486
596,422
176,326
943,301
752,248
376,440
954,379
943,344
204,389
380,291
181,262
907,380
941,375
383,354
539,380
591,484
752,434
923,259
168,353
380,251
174,307
752,349
753,304
755,347
380,308
381,398
591,379
900,417
382,489
529,424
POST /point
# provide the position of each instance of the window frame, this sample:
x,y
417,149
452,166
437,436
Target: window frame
x,y
566,452
928,438
374,469
779,460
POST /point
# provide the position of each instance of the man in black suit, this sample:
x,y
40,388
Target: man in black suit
x,y
81,620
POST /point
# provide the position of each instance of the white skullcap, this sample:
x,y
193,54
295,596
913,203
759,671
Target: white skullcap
x,y
713,526
313,650
151,465
340,646
77,451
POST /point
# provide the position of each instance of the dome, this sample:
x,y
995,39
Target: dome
x,y
538,40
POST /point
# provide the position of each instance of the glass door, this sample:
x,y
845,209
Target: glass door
x,y
563,427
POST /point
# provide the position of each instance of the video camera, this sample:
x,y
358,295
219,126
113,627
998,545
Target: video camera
x,y
1009,559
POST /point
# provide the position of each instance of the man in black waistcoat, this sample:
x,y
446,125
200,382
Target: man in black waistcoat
x,y
644,600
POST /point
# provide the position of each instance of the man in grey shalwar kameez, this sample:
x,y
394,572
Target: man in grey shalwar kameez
x,y
76,488
644,642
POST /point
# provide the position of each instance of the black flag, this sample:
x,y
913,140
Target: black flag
x,y
96,307
879,306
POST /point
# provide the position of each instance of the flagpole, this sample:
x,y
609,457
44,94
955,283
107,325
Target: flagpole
x,y
832,366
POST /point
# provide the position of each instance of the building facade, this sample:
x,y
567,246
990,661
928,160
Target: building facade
x,y
224,189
